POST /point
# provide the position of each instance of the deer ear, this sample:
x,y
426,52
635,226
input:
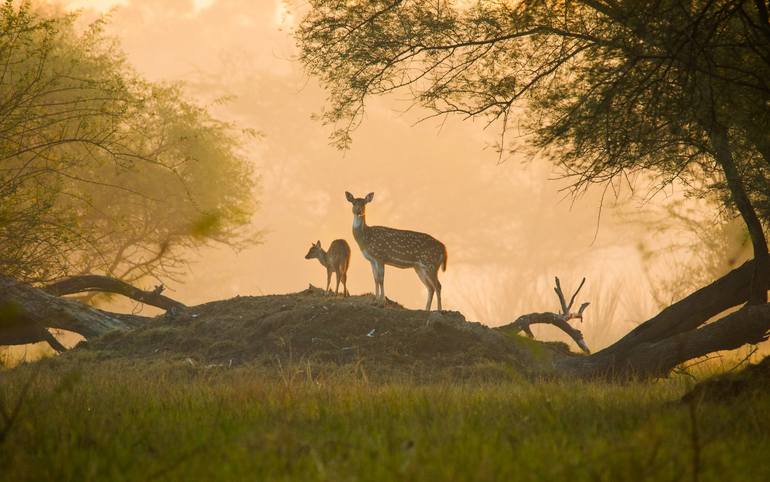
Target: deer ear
x,y
349,196
318,243
369,197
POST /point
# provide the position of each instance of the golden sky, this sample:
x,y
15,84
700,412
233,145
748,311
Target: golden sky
x,y
508,227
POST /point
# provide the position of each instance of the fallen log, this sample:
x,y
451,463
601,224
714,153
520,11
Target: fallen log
x,y
18,329
54,312
26,313
106,284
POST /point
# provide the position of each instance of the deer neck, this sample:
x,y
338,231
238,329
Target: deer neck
x,y
359,227
323,257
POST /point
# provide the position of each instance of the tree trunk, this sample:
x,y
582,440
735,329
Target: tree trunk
x,y
622,358
724,156
18,329
647,360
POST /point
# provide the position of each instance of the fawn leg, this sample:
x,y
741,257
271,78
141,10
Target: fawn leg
x,y
337,289
345,284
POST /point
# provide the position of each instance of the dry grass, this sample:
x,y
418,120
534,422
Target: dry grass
x,y
120,420
264,389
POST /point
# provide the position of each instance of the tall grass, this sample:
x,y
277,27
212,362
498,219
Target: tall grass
x,y
174,421
619,300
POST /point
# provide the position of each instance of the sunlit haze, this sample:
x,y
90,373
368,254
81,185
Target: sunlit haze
x,y
508,224
548,224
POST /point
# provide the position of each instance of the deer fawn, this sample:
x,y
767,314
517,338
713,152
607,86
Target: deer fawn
x,y
336,260
399,248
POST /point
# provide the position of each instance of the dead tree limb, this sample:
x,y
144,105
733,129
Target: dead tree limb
x,y
26,313
106,284
16,328
559,320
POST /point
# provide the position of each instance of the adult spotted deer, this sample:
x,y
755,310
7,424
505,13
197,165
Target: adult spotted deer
x,y
399,248
336,260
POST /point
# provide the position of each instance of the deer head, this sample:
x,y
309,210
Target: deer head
x,y
359,204
315,251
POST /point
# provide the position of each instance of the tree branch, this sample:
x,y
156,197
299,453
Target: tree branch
x,y
24,305
98,283
559,320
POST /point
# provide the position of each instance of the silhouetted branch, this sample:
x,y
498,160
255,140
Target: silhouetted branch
x,y
559,320
98,283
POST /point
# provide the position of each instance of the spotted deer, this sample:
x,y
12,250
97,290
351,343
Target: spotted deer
x,y
336,260
396,247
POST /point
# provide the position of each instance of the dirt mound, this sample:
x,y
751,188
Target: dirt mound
x,y
311,326
753,378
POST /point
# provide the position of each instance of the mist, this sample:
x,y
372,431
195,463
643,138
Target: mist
x,y
509,222
211,338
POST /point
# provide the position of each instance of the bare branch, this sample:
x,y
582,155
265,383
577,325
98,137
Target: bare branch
x,y
560,294
559,320
106,284
572,300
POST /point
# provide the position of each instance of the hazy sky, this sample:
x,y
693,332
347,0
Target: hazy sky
x,y
508,227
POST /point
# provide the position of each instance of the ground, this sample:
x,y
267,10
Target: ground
x,y
311,327
292,387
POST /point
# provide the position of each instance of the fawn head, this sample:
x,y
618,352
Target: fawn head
x,y
315,251
359,204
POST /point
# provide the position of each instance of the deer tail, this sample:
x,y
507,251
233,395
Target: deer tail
x,y
443,267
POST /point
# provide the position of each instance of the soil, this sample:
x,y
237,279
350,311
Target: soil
x,y
313,326
752,379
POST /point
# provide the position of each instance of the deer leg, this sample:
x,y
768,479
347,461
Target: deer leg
x,y
328,280
381,278
345,284
376,281
337,289
433,278
423,275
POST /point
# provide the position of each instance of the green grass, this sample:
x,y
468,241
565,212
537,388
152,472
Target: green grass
x,y
84,421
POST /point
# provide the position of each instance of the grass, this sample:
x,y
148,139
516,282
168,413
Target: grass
x,y
120,420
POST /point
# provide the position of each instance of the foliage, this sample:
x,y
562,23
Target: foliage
x,y
103,171
612,89
609,86
308,422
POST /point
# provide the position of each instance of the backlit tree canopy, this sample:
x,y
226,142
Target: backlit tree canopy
x,y
678,89
100,170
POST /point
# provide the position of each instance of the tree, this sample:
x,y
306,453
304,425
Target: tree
x,y
674,90
100,170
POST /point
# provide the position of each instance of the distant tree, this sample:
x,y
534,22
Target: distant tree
x,y
100,170
677,90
